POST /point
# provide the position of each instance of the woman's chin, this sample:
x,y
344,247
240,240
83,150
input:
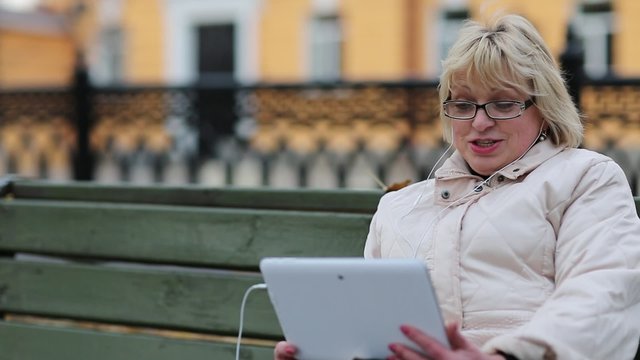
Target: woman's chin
x,y
483,169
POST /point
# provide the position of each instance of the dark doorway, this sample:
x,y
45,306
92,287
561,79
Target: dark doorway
x,y
216,98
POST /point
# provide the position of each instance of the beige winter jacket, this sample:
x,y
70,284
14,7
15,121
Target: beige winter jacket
x,y
541,262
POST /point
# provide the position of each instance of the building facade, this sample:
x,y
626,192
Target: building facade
x,y
249,41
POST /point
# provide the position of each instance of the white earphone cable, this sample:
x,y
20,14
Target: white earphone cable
x,y
244,301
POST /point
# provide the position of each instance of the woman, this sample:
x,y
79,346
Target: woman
x,y
533,244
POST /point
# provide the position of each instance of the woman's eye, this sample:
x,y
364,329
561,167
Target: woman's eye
x,y
505,106
463,106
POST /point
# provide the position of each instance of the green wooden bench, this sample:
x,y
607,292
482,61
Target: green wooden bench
x,y
107,272
132,272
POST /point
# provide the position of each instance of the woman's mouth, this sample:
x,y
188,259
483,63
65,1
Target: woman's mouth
x,y
485,143
484,146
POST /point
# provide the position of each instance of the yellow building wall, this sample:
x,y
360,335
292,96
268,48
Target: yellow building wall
x,y
282,40
550,17
82,21
374,33
383,39
418,41
143,41
430,14
376,41
85,27
35,60
626,53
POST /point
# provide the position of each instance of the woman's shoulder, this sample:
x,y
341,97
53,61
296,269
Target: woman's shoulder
x,y
582,169
580,160
584,155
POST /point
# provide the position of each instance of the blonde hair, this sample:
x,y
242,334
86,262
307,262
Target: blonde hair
x,y
509,52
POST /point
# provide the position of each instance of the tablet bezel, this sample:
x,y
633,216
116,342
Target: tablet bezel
x,y
346,308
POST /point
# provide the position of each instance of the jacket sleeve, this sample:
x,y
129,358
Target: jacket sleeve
x,y
372,245
594,311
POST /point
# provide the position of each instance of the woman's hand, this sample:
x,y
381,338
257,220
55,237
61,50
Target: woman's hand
x,y
461,348
284,351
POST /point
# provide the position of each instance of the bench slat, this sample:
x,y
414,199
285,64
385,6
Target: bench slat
x,y
362,201
189,299
33,342
198,236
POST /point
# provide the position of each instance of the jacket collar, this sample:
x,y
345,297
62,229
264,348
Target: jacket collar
x,y
455,178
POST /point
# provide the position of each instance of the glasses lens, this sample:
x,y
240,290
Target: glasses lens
x,y
460,109
503,109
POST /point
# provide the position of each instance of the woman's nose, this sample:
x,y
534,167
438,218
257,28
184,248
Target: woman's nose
x,y
482,121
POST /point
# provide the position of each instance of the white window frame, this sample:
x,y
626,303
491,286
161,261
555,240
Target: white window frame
x,y
594,30
325,48
182,17
111,65
442,33
102,52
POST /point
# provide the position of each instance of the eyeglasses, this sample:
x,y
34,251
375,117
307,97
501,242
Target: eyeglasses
x,y
496,110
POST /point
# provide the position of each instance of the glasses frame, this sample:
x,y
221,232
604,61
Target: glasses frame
x,y
524,105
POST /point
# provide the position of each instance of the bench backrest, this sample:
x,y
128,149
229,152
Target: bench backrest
x,y
172,258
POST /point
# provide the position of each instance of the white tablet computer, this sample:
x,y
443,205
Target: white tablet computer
x,y
350,308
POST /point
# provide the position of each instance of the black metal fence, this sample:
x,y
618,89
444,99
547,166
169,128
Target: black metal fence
x,y
309,135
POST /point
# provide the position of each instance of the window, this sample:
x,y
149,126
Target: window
x,y
326,48
108,52
594,25
451,23
112,56
448,23
182,18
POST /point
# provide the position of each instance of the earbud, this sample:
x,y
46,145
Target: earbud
x,y
543,136
542,133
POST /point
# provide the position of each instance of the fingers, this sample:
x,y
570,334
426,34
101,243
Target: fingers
x,y
456,340
402,352
428,345
284,351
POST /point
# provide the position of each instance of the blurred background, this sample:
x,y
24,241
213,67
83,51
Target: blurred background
x,y
280,93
